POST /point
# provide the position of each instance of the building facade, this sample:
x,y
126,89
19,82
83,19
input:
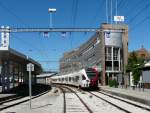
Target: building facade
x,y
106,50
13,65
13,69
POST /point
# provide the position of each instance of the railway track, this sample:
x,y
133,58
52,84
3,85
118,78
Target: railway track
x,y
64,97
123,100
126,111
78,106
126,106
16,101
87,104
121,104
10,99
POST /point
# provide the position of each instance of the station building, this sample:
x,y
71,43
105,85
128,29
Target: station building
x,y
13,69
106,50
13,66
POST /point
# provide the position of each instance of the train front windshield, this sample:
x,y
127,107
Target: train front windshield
x,y
91,74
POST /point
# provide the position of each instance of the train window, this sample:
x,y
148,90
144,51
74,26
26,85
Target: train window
x,y
77,78
62,79
83,77
91,74
69,78
66,79
73,79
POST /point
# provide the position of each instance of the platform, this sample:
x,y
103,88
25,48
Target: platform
x,y
135,95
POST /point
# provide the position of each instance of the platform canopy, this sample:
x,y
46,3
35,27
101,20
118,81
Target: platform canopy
x,y
13,55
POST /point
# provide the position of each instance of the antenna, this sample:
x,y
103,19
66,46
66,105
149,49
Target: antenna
x,y
111,6
116,9
107,11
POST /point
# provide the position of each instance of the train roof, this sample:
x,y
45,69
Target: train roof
x,y
70,74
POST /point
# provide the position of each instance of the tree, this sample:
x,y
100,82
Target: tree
x,y
134,64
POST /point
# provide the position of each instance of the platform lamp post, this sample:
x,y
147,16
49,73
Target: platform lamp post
x,y
51,10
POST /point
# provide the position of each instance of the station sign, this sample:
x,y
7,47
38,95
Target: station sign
x,y
4,44
30,67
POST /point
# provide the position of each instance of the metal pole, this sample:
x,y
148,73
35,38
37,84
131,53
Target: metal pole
x,y
116,9
50,23
30,87
111,6
108,78
107,11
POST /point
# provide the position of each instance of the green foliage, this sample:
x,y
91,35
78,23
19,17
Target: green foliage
x,y
136,75
112,83
134,64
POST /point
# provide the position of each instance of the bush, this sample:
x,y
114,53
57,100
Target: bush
x,y
112,83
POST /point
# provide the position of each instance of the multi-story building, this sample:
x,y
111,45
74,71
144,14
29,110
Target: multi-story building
x,y
106,50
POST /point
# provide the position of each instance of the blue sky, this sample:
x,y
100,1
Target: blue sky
x,y
70,13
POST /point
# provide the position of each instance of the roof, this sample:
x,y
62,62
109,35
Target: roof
x,y
147,64
46,75
13,54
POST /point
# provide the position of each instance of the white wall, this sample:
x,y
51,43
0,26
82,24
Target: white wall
x,y
146,76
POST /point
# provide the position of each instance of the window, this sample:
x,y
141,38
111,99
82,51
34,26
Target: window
x,y
83,77
115,53
91,74
69,78
108,53
77,78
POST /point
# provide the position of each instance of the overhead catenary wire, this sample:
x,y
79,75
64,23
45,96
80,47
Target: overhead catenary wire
x,y
99,8
29,44
140,23
73,19
12,13
139,13
121,3
72,11
75,13
135,8
18,19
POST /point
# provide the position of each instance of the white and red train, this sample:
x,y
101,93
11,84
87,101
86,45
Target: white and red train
x,y
85,78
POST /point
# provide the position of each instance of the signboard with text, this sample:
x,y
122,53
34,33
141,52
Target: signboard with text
x,y
30,67
119,18
4,44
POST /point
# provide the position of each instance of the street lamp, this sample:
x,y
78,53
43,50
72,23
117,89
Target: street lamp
x,y
51,10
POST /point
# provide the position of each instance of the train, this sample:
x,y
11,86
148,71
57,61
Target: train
x,y
84,78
